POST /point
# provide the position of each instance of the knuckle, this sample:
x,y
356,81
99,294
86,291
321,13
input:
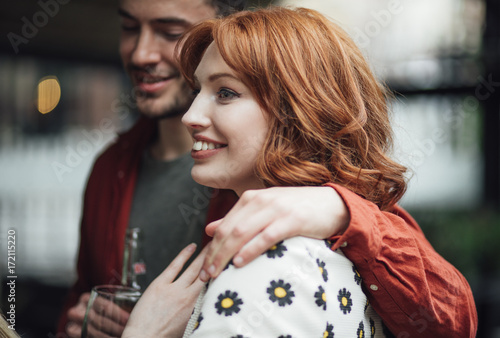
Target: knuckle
x,y
84,298
221,232
254,196
270,237
238,232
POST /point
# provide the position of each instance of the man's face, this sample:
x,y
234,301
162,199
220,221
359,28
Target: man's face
x,y
150,31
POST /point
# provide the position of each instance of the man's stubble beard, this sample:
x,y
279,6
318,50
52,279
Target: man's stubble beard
x,y
178,107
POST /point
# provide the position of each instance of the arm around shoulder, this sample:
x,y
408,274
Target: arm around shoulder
x,y
413,288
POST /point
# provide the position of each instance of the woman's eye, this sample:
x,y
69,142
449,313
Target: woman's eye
x,y
226,94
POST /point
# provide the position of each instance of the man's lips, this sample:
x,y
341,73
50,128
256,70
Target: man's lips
x,y
149,83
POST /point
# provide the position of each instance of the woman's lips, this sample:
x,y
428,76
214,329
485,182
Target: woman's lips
x,y
202,154
204,149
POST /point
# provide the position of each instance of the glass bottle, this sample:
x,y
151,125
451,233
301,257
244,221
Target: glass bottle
x,y
134,266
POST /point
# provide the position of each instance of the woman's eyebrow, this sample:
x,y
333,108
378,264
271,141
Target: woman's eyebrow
x,y
217,76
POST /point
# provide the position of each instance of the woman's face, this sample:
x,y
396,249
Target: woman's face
x,y
228,127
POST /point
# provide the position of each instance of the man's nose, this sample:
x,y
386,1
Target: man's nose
x,y
146,51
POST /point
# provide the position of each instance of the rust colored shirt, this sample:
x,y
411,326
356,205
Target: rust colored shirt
x,y
415,290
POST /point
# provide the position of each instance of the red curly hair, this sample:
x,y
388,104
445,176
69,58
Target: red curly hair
x,y
328,114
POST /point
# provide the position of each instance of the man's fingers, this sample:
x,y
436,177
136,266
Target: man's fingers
x,y
97,322
264,240
211,227
77,312
73,330
93,332
84,298
76,315
117,312
107,317
231,235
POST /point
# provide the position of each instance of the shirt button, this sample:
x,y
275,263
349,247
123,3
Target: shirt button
x,y
121,174
343,245
374,287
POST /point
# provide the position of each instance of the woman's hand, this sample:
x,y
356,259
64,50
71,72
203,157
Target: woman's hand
x,y
262,218
166,305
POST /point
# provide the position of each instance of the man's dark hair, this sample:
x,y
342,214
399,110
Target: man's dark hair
x,y
226,7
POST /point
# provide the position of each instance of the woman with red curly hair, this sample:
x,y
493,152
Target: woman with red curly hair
x,y
327,114
285,98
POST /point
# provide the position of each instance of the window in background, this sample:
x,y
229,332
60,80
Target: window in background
x,y
428,52
45,158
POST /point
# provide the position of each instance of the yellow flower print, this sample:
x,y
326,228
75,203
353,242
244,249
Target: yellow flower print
x,y
345,301
361,330
328,243
198,321
357,276
276,250
329,331
280,291
228,303
322,270
320,296
372,328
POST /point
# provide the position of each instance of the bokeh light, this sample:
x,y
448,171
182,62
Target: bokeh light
x,y
49,94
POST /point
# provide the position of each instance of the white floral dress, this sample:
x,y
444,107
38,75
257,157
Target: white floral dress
x,y
298,288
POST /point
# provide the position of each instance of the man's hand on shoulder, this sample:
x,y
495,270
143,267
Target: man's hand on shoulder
x,y
262,218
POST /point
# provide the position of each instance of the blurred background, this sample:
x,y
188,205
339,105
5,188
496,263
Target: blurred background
x,y
64,95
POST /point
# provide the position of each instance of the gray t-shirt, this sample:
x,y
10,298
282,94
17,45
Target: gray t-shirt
x,y
170,208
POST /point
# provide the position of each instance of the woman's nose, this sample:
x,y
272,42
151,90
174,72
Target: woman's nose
x,y
198,115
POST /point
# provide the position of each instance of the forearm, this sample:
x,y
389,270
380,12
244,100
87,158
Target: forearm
x,y
410,285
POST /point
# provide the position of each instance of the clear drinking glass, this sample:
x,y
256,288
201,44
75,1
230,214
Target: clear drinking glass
x,y
108,309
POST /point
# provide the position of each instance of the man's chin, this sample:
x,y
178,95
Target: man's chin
x,y
164,106
160,113
165,115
